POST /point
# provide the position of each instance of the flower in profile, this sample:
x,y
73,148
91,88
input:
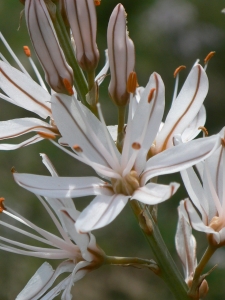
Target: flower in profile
x,y
79,250
206,190
125,175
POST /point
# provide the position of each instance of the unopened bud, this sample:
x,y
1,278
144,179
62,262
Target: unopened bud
x,y
203,289
46,45
81,15
121,55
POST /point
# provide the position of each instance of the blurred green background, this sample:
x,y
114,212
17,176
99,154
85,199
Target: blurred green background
x,y
167,34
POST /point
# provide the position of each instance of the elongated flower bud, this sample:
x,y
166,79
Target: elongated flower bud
x,y
81,15
46,45
121,55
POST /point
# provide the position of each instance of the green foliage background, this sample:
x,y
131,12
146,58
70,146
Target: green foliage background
x,y
167,33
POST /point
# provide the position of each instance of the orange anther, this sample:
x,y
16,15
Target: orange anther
x,y
77,148
223,142
132,83
150,96
202,128
136,146
2,207
68,86
97,2
13,170
26,50
209,56
180,68
46,135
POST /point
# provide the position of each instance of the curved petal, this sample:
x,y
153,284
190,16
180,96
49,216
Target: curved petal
x,y
16,127
100,212
180,157
185,108
24,91
34,139
62,187
154,193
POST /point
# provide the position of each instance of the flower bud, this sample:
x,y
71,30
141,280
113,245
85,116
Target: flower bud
x,y
46,45
81,15
121,55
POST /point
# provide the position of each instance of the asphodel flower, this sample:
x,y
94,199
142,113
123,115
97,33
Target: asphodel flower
x,y
126,175
46,45
121,55
207,194
79,251
81,15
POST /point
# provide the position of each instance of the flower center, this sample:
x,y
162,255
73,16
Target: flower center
x,y
127,184
216,223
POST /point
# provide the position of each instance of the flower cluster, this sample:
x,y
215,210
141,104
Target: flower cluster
x,y
127,163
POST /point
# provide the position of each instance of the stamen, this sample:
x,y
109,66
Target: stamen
x,y
132,83
2,207
26,50
77,148
68,86
223,142
13,55
13,170
180,68
136,146
207,59
150,96
46,135
97,2
205,131
209,56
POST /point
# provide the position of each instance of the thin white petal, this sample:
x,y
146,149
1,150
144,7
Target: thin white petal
x,y
34,139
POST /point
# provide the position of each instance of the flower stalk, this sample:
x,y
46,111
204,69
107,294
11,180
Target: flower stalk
x,y
168,269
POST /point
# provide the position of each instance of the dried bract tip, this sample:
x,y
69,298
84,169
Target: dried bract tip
x,y
46,135
13,170
68,86
204,130
81,15
77,148
2,207
209,56
97,2
180,68
121,55
46,45
26,50
150,96
136,146
132,83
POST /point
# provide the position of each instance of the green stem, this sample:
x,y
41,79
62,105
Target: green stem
x,y
168,269
80,82
121,122
133,262
197,280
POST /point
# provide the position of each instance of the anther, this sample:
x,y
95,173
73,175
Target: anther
x,y
132,83
150,96
13,170
180,68
136,146
46,135
26,50
202,128
97,2
77,148
209,56
2,207
68,86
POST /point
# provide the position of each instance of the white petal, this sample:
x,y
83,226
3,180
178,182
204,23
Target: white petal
x,y
100,212
180,157
16,127
185,108
34,139
37,282
154,193
62,187
24,91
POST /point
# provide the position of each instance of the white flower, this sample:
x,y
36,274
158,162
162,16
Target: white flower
x,y
126,175
80,250
206,190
